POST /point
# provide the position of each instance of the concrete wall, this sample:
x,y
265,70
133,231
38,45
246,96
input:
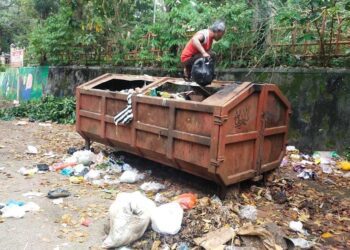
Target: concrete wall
x,y
320,98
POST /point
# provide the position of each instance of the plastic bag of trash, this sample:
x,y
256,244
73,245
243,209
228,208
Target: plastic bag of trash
x,y
13,211
93,175
167,218
203,71
297,226
248,212
84,157
131,176
302,243
130,215
152,186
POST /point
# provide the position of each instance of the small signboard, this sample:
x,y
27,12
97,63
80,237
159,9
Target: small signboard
x,y
16,57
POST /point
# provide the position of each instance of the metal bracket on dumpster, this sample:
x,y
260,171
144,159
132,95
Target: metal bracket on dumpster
x,y
219,120
215,164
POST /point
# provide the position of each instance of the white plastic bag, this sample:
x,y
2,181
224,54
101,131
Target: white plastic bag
x,y
93,175
32,150
297,226
167,218
248,212
130,215
31,207
152,186
302,243
131,176
13,211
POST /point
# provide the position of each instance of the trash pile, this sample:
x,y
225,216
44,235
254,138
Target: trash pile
x,y
320,163
284,213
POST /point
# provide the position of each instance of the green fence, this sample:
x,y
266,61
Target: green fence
x,y
23,83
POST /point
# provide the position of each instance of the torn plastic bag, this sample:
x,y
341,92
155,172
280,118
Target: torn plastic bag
x,y
167,218
203,71
130,215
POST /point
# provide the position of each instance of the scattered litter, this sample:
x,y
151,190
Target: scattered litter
x,y
71,150
302,243
32,150
295,157
85,222
248,212
18,209
130,215
131,176
159,198
167,218
93,175
291,148
42,167
67,171
60,166
58,193
307,174
255,230
80,170
326,168
297,226
284,162
187,200
21,123
216,199
57,201
32,194
215,239
27,171
84,157
15,203
344,165
98,183
76,179
50,154
31,207
42,124
13,211
152,186
182,246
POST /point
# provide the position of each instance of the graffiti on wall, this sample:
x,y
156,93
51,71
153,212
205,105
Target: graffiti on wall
x,y
24,83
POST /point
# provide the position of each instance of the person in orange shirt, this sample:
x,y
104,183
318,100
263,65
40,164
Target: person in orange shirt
x,y
200,45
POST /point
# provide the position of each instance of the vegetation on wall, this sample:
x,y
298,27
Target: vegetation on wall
x,y
122,32
48,108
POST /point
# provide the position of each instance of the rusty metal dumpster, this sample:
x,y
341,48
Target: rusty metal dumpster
x,y
236,133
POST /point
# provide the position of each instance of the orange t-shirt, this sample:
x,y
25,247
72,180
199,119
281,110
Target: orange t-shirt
x,y
191,50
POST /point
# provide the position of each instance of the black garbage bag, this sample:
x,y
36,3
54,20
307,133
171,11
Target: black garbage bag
x,y
203,71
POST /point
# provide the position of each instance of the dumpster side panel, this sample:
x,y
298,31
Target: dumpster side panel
x,y
153,115
240,138
276,118
192,152
198,123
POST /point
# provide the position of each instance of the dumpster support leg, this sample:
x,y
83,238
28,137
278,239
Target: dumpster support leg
x,y
87,144
230,192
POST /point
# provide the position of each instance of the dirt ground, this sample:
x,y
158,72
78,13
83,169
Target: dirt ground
x,y
322,204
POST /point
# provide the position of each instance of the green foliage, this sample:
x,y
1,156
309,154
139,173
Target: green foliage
x,y
347,153
49,108
65,32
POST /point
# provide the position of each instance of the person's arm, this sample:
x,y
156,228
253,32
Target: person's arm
x,y
197,42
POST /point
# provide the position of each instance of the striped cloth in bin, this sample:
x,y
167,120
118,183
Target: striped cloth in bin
x,y
125,116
